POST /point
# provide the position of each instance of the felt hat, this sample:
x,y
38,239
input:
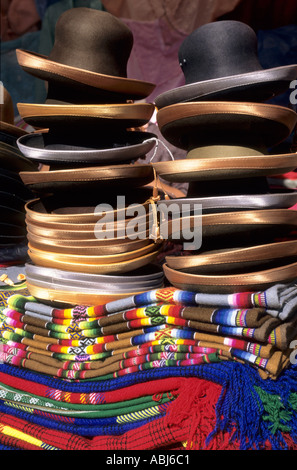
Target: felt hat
x,y
128,146
229,203
225,168
79,288
89,232
10,182
231,283
11,234
7,126
91,178
11,215
219,61
231,229
225,140
137,259
82,208
12,159
86,247
86,118
88,62
10,200
143,276
92,260
200,125
236,260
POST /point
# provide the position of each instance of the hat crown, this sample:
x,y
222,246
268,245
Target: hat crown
x,y
92,40
219,49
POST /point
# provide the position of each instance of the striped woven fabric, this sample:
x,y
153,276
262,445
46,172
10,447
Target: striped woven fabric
x,y
278,300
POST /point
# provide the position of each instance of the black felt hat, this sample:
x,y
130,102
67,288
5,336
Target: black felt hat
x,y
219,61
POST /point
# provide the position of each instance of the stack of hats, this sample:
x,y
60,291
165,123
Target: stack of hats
x,y
220,118
13,192
89,149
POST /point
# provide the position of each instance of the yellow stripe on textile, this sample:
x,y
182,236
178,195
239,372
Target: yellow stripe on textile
x,y
9,431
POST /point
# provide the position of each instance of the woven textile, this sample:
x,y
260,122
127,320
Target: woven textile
x,y
197,421
153,362
74,346
278,300
32,330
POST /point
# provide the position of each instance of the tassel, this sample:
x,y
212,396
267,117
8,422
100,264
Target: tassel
x,y
195,408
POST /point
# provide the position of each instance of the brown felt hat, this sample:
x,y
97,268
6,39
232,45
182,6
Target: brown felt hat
x,y
88,62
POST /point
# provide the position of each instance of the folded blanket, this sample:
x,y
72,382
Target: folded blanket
x,y
278,301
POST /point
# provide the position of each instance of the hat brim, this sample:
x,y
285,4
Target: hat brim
x,y
145,274
92,259
47,260
217,204
76,285
53,234
225,168
11,184
232,283
235,260
11,216
82,210
110,225
132,146
190,125
11,130
256,86
12,233
42,67
91,178
98,247
114,116
58,296
11,159
242,227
